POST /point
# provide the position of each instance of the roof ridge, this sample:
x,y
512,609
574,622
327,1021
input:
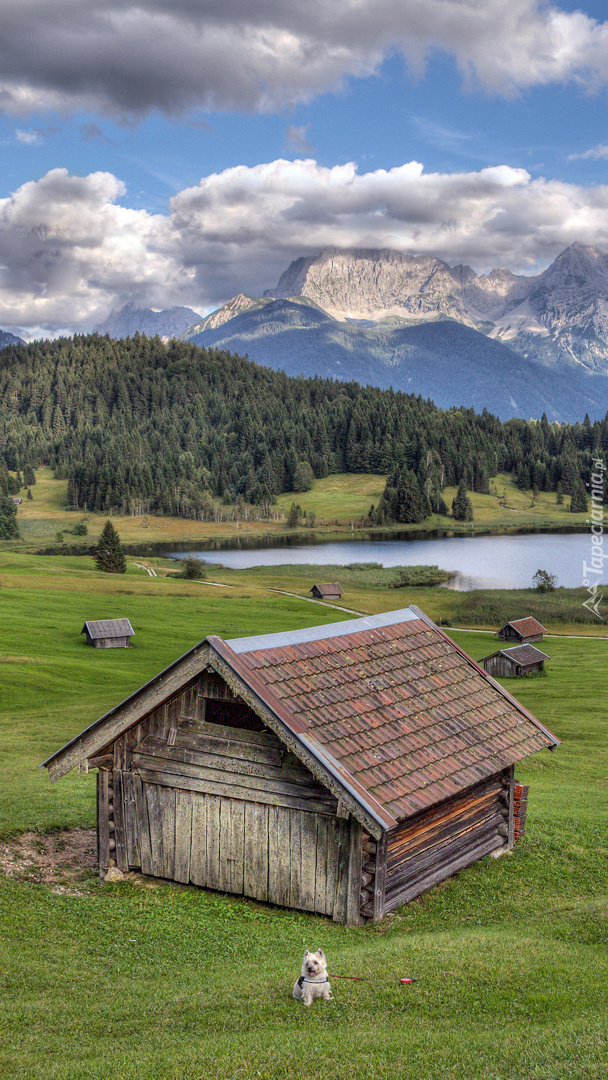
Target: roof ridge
x,y
320,633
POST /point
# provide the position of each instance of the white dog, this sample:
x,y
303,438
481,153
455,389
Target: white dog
x,y
313,981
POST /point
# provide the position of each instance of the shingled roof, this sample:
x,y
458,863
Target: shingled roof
x,y
402,709
521,654
387,705
108,628
331,588
526,627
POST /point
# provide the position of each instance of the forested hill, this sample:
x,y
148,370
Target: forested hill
x,y
139,426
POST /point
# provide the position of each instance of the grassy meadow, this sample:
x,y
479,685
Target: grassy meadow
x,y
340,502
143,979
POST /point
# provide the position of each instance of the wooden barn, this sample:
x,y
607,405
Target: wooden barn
x,y
522,631
330,591
340,769
108,633
514,662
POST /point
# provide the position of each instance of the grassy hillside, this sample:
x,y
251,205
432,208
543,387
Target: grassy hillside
x,y
340,502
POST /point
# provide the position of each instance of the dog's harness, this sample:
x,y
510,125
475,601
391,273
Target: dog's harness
x,y
315,982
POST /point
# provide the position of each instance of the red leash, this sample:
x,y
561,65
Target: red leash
x,y
359,978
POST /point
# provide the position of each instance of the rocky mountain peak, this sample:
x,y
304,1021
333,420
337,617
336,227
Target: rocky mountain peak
x,y
364,283
131,319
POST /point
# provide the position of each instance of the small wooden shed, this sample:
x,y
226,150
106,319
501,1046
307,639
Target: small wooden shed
x,y
514,662
108,633
522,631
329,591
340,769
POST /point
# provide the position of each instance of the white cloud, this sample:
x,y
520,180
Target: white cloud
x,y
69,252
30,138
125,58
595,154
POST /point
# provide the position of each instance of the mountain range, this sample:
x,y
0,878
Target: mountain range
x,y
518,345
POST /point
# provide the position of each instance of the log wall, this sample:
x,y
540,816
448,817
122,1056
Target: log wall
x,y
436,843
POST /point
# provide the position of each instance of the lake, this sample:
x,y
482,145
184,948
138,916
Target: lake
x,y
491,562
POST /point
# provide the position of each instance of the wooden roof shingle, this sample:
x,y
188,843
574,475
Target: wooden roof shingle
x,y
436,717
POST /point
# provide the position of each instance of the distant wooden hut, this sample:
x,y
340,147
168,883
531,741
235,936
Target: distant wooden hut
x,y
515,662
330,591
108,633
339,769
522,631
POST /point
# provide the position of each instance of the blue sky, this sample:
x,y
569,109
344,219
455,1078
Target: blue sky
x,y
149,152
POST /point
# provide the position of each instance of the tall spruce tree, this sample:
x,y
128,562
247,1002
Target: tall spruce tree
x,y
109,554
462,507
8,519
578,501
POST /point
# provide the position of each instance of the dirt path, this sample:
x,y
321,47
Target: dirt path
x,y
149,569
323,603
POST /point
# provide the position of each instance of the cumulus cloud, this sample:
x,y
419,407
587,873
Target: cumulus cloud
x,y
69,251
125,58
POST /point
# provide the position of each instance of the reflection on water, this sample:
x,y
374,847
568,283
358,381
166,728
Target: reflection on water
x,y
491,562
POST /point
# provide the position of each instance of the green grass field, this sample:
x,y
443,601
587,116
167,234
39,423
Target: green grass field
x,y
143,980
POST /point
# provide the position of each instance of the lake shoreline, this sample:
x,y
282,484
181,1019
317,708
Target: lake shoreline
x,y
250,541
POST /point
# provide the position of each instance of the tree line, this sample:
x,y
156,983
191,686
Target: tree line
x,y
137,426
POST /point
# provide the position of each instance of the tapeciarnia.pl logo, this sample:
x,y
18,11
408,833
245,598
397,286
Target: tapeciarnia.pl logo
x,y
593,571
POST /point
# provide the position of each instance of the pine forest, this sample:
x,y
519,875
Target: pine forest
x,y
138,426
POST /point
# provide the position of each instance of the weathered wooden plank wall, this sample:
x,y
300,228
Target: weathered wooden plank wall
x,y
433,845
103,820
225,761
286,856
227,806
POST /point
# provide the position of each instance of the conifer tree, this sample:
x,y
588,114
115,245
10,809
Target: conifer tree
x,y
109,554
462,507
578,501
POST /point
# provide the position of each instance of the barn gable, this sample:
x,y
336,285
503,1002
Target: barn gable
x,y
202,791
